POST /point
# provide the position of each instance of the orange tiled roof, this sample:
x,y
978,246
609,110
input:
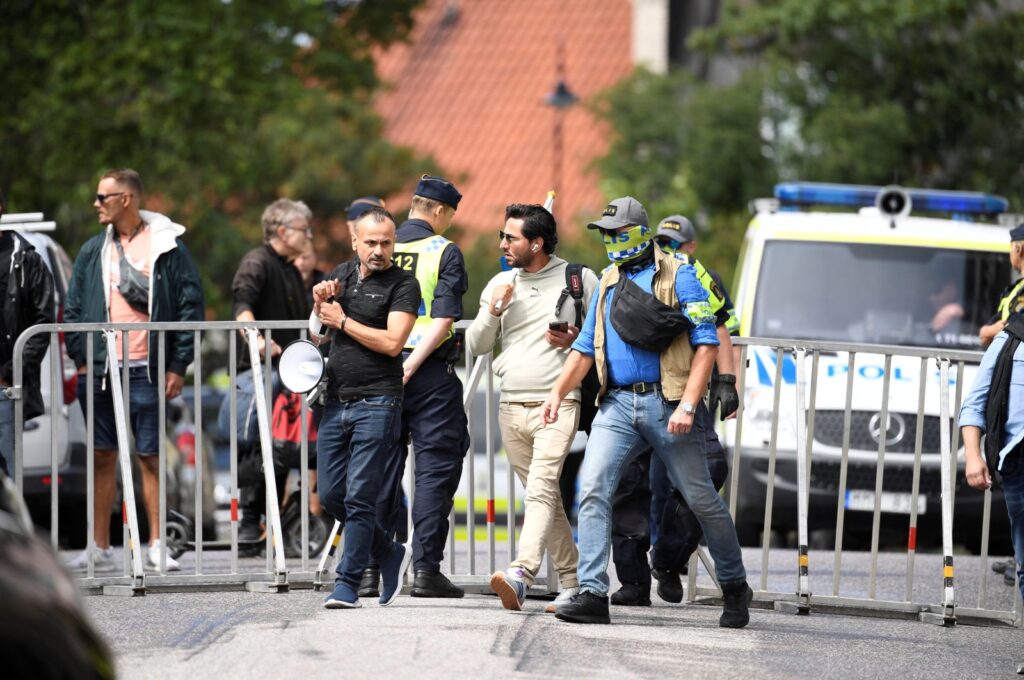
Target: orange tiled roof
x,y
470,87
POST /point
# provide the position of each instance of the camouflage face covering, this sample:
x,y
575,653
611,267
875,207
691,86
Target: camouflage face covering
x,y
627,245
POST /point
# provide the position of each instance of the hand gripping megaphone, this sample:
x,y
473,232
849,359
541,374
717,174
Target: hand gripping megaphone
x,y
301,366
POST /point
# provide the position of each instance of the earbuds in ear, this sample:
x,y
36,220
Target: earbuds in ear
x,y
534,249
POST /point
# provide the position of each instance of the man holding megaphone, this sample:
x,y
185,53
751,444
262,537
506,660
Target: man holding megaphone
x,y
369,307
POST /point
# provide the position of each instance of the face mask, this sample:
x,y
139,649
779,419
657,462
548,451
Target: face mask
x,y
627,245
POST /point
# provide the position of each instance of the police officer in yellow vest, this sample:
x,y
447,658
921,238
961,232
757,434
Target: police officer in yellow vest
x,y
1013,297
432,411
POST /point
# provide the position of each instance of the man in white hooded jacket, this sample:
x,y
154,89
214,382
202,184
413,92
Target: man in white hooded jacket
x,y
136,270
518,307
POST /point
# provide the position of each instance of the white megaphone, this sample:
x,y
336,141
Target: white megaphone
x,y
301,366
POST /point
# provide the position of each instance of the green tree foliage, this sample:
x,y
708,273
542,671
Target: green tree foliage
x,y
866,91
221,105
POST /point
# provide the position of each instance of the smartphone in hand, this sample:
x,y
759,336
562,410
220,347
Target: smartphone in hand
x,y
560,326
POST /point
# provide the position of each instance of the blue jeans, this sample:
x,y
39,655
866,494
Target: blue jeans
x,y
626,424
1013,493
6,435
143,411
246,421
353,445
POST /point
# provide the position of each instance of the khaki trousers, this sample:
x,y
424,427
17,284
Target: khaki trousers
x,y
536,453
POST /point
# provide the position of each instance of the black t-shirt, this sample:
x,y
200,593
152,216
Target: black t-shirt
x,y
270,287
354,370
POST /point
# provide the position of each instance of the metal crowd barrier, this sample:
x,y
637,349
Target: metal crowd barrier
x,y
944,609
465,556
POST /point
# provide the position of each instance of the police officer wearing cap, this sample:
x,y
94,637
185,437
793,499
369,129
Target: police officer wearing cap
x,y
1012,299
651,334
645,491
432,413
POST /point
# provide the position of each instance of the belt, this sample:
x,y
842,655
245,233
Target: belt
x,y
636,388
526,404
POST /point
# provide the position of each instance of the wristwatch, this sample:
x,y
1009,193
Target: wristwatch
x,y
687,408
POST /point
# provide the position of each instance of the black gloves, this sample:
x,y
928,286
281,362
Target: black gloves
x,y
724,395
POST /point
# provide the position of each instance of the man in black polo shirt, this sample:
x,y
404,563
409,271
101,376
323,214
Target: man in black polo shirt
x,y
368,305
267,287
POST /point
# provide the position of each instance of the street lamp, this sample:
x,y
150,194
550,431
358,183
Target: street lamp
x,y
559,99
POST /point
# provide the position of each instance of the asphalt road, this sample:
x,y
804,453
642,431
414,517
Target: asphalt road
x,y
247,635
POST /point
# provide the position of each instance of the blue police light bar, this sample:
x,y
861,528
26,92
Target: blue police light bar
x,y
861,196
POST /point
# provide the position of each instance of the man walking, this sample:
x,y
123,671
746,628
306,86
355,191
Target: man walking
x,y
995,408
136,270
27,287
368,306
517,308
432,411
267,287
651,334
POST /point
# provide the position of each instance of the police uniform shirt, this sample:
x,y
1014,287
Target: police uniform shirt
x,y
452,280
354,370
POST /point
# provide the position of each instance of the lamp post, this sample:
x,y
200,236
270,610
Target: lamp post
x,y
559,99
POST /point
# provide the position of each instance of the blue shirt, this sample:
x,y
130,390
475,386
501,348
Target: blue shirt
x,y
628,364
972,412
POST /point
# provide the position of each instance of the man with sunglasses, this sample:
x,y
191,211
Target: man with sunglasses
x,y
518,308
136,270
432,411
651,334
267,287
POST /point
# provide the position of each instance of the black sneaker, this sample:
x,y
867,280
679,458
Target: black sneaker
x,y
630,595
1008,577
1001,566
250,536
369,586
434,584
670,588
586,607
736,605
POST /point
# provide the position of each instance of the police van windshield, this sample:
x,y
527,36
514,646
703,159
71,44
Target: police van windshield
x,y
879,294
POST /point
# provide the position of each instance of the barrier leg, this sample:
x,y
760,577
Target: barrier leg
x,y
132,544
332,547
803,604
948,615
280,582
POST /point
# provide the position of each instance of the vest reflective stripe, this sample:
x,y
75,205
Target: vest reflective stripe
x,y
422,259
1006,303
715,297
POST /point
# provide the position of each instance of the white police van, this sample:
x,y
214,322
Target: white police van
x,y
865,265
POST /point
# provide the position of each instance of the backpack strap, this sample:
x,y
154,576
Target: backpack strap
x,y
574,289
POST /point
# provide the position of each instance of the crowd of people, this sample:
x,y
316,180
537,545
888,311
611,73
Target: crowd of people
x,y
639,355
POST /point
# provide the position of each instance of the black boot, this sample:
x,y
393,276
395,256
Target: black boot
x,y
670,588
586,607
632,595
736,598
434,584
249,534
370,585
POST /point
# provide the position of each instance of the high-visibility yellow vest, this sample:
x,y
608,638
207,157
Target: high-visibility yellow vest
x,y
1006,305
422,259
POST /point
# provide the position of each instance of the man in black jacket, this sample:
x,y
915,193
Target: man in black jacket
x,y
28,300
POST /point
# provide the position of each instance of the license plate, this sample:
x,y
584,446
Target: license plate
x,y
858,499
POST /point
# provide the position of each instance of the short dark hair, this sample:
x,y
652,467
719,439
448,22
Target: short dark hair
x,y
376,214
128,178
537,223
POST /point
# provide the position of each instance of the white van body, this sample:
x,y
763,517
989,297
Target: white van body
x,y
865,278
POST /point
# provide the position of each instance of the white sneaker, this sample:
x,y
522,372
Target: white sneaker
x,y
102,560
566,595
153,558
510,586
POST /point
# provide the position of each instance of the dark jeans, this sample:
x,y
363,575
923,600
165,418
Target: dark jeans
x,y
354,444
433,415
1013,492
646,504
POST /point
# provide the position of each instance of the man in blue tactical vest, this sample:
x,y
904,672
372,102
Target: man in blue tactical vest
x,y
1012,299
432,411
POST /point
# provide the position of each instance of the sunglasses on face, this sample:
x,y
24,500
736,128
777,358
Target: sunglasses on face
x,y
502,236
101,198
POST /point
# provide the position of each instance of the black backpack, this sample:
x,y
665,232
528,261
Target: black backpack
x,y
591,383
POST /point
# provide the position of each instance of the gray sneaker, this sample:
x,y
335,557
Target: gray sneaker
x,y
103,560
565,596
510,587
